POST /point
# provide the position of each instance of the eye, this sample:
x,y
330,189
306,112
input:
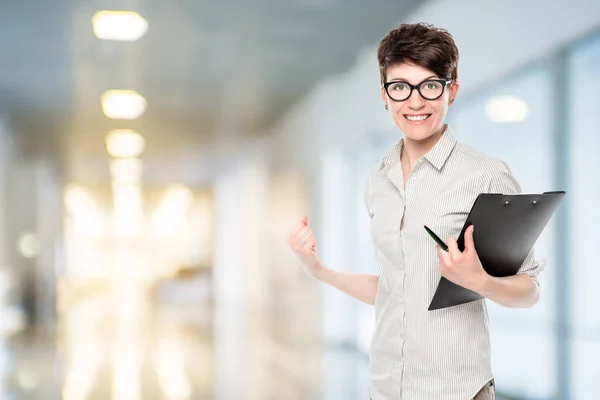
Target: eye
x,y
431,86
399,86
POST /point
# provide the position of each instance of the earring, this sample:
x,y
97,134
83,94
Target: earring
x,y
451,101
386,107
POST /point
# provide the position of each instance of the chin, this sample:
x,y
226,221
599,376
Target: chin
x,y
417,133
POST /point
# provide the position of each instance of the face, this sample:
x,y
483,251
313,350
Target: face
x,y
417,117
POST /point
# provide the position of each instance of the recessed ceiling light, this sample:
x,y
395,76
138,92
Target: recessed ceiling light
x,y
123,104
507,109
119,25
124,143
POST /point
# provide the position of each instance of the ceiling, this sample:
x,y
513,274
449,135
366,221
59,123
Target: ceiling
x,y
207,69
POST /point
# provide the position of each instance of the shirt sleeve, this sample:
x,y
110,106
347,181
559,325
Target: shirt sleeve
x,y
501,180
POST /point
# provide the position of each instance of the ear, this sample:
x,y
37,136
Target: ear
x,y
453,92
384,96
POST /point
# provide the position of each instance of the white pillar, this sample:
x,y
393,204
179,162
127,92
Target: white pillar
x,y
337,246
49,224
241,277
6,159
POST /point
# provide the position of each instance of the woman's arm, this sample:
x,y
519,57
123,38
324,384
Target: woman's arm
x,y
517,291
362,287
465,269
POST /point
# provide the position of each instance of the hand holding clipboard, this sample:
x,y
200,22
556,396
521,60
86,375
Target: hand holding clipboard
x,y
507,228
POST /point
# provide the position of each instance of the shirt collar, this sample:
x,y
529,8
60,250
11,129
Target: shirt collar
x,y
437,156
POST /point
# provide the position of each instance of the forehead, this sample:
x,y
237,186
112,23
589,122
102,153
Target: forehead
x,y
409,72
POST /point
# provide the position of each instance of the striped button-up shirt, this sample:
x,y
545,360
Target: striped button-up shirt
x,y
418,354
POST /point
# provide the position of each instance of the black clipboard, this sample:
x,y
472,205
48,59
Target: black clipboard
x,y
506,229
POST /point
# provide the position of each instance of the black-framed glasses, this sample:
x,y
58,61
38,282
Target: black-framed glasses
x,y
430,89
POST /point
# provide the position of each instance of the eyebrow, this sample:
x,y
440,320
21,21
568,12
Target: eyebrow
x,y
406,80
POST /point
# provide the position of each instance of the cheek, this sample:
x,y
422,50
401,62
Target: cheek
x,y
442,112
441,108
399,108
397,113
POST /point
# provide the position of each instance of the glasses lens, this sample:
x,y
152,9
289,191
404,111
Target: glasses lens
x,y
398,91
431,90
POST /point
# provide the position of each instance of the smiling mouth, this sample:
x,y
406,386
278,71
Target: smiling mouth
x,y
417,118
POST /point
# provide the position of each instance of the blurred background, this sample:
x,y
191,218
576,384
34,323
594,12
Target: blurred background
x,y
154,156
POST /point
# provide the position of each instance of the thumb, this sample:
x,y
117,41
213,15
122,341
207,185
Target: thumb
x,y
305,220
469,243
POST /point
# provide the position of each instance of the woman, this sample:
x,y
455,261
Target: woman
x,y
428,178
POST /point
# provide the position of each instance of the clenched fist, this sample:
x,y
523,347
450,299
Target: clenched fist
x,y
303,243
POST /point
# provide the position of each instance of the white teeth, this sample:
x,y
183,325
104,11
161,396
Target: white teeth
x,y
416,118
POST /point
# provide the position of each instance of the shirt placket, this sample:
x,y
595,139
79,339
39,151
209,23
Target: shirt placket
x,y
401,344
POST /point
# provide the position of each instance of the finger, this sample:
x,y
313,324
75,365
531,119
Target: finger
x,y
452,247
296,229
293,233
305,220
306,237
294,238
310,243
443,256
469,244
303,234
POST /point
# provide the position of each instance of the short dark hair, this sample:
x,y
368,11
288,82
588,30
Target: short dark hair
x,y
420,44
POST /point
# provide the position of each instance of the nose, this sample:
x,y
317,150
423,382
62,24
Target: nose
x,y
415,101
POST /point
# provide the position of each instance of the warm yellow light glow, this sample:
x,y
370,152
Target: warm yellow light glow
x,y
126,378
124,143
126,170
169,364
177,198
78,199
90,225
83,349
88,217
123,104
119,25
127,197
128,206
169,217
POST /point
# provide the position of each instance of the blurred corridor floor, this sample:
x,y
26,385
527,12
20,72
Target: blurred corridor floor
x,y
104,348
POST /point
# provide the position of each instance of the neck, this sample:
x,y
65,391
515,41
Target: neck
x,y
415,149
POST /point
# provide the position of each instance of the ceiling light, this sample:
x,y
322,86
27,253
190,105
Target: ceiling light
x,y
119,25
124,143
123,104
507,109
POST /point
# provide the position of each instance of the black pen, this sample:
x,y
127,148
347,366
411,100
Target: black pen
x,y
437,239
